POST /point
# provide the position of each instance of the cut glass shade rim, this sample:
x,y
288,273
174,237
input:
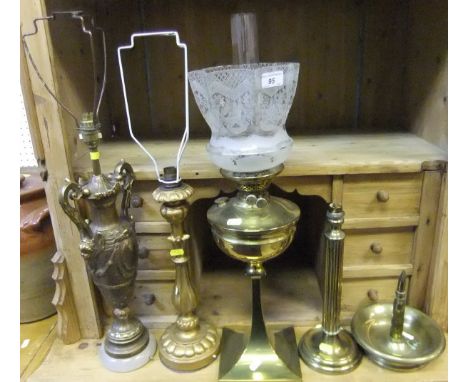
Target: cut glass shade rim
x,y
252,66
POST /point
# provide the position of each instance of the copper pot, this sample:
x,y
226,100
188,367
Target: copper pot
x,y
37,247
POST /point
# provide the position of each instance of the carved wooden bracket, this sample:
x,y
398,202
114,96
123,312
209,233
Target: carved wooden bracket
x,y
68,329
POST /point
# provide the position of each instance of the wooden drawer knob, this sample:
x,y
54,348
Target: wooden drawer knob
x,y
373,295
376,248
143,252
149,298
383,196
136,201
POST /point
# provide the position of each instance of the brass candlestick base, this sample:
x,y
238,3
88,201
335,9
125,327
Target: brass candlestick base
x,y
187,350
329,348
336,353
259,360
397,336
188,344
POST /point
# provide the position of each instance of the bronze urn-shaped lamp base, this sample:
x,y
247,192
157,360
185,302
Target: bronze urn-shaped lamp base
x,y
109,247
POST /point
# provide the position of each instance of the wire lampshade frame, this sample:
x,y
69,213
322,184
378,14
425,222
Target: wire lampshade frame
x,y
98,92
185,136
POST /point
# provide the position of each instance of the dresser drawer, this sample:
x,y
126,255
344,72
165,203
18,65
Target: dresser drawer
x,y
156,260
360,291
144,207
381,196
378,246
155,242
158,311
157,265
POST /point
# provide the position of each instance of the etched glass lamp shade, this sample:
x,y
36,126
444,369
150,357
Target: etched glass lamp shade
x,y
246,107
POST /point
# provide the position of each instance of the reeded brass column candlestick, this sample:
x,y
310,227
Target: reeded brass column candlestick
x,y
330,348
189,343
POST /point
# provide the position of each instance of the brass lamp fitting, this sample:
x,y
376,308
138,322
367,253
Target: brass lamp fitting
x,y
189,343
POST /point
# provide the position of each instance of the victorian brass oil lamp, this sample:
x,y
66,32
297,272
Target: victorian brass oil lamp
x,y
246,107
189,343
108,241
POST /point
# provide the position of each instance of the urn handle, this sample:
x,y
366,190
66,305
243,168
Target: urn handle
x,y
72,191
124,172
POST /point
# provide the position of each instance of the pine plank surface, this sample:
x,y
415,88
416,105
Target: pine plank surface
x,y
424,238
36,338
314,155
436,303
80,362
